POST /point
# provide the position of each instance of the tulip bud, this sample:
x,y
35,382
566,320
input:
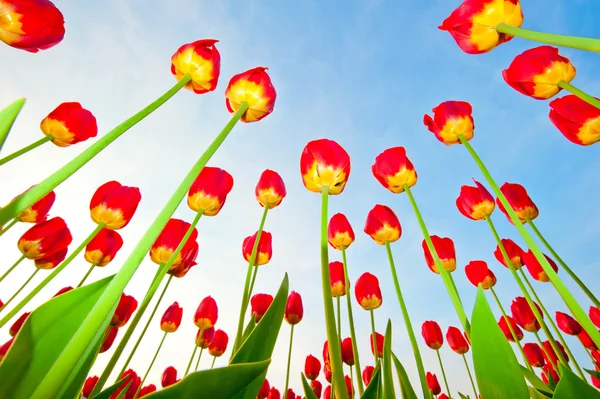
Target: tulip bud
x,y
189,253
433,384
367,291
339,232
451,119
264,390
202,61
349,386
110,338
478,272
576,119
534,354
130,380
114,204
168,241
171,319
383,225
367,374
379,340
535,268
16,327
209,191
255,88
45,238
347,351
514,252
475,203
37,212
103,248
274,393
203,341
587,341
264,250
520,202
444,247
127,305
596,356
259,304
550,351
524,316
444,396
324,163
147,390
432,334
169,377
317,388
88,386
69,124
5,347
549,375
270,189
60,292
595,315
327,393
51,261
337,278
457,341
312,366
567,324
218,346
294,310
207,313
506,329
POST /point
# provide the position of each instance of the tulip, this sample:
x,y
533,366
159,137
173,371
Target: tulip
x,y
347,352
88,386
550,372
367,374
189,254
109,339
50,262
594,314
218,346
207,314
5,347
477,272
524,316
379,341
338,281
450,119
294,309
14,329
534,354
260,304
585,339
475,203
69,124
576,119
433,384
535,268
62,291
169,377
339,232
274,393
209,191
37,212
312,366
45,239
200,60
103,248
270,189
367,291
324,163
253,87
514,252
383,225
506,329
444,396
264,390
327,392
317,388
444,247
168,241
538,72
567,324
264,250
349,386
550,352
203,341
457,341
113,205
127,305
129,377
171,319
432,334
596,381
290,394
473,24
520,202
147,390
393,170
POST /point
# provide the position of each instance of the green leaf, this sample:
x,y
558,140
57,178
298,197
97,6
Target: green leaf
x,y
372,390
308,391
534,393
249,328
221,383
43,336
463,396
536,381
388,380
7,118
593,373
496,368
406,388
572,387
109,391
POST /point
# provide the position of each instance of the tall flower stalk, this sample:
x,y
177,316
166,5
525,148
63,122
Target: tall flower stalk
x,y
581,43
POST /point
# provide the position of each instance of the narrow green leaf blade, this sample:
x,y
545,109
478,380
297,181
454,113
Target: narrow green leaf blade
x,y
536,381
534,393
7,118
572,387
496,368
372,390
249,328
308,391
463,396
388,380
109,391
593,373
406,388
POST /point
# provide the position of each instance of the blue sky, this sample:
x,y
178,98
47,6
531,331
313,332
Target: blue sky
x,y
360,72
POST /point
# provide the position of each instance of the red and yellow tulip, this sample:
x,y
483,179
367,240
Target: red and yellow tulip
x,y
393,170
114,204
103,248
37,212
324,163
383,225
255,88
45,239
478,272
264,250
294,310
520,202
367,291
209,191
444,247
270,189
171,319
339,232
475,202
206,314
576,119
202,61
259,303
450,119
69,124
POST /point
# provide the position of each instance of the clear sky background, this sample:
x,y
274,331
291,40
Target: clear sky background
x,y
362,73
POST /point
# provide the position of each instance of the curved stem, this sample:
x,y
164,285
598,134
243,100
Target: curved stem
x,y
11,224
23,286
13,267
213,362
581,43
374,336
26,149
470,376
289,362
252,284
579,93
339,318
407,322
187,371
437,351
199,357
86,275
151,364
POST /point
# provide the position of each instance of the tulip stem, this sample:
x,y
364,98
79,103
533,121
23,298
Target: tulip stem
x,y
470,376
54,273
579,93
41,189
191,360
199,357
407,322
339,317
566,268
358,370
335,355
581,43
13,267
11,224
374,336
23,286
86,275
151,364
454,296
549,358
437,351
213,362
571,302
289,362
254,273
26,149
246,294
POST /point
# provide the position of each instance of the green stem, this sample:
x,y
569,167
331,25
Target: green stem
x,y
162,341
594,362
86,275
245,296
24,150
548,356
374,336
50,183
213,362
13,267
187,371
289,362
198,361
335,355
339,318
579,93
11,224
581,43
571,302
566,268
23,286
358,369
470,376
254,273
8,115
50,277
407,322
454,296
443,373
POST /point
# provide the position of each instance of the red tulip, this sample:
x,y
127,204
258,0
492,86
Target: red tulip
x,y
37,212
587,341
274,393
393,170
548,370
1,304
506,330
50,262
519,200
259,304
444,247
270,189
60,292
255,88
14,329
264,390
31,25
45,238
596,381
432,334
339,232
218,346
367,374
536,72
327,392
349,386
264,250
317,388
595,316
457,341
147,390
596,356
168,241
535,268
203,341
171,319
433,384
88,386
337,278
312,366
189,254
202,61
290,394
5,347
554,357
327,372
567,324
475,203
450,119
209,191
103,248
129,377
324,163
473,24
169,377
347,351
444,396
69,124
110,338
114,204
576,119
534,354
524,316
379,340
127,305
207,314
294,309
514,252
478,272
383,225
367,291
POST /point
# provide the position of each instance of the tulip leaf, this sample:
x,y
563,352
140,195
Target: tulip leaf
x,y
7,118
42,338
535,381
388,380
497,370
308,391
593,373
536,394
463,396
372,390
572,387
109,391
249,328
406,388
260,343
221,383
